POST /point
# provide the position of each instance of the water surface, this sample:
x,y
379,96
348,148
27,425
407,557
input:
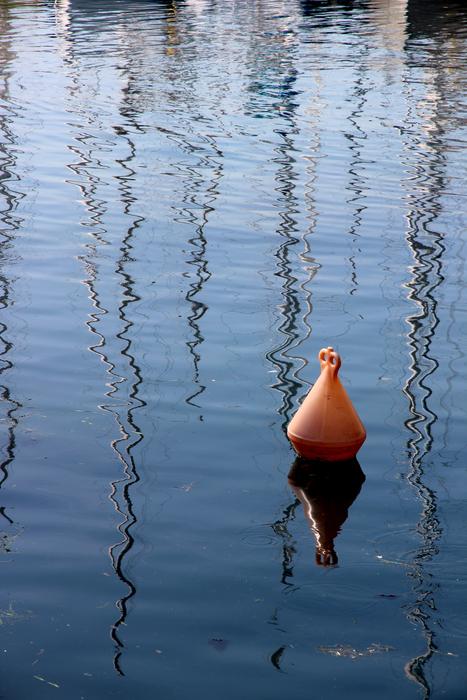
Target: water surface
x,y
195,197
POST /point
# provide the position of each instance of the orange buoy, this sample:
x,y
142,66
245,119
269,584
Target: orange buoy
x,y
326,427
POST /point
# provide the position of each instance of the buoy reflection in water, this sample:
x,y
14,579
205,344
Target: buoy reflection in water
x,y
326,491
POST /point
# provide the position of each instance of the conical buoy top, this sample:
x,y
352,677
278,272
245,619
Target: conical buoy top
x,y
326,427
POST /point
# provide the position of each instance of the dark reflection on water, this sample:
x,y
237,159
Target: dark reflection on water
x,y
130,432
194,198
425,238
122,397
201,188
326,492
433,19
290,308
10,222
281,528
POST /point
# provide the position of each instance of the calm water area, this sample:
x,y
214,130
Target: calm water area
x,y
195,197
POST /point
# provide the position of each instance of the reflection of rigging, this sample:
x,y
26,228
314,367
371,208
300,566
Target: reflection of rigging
x,y
9,224
425,160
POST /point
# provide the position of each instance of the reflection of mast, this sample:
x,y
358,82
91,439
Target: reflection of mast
x,y
96,211
425,160
199,193
440,27
281,528
132,435
286,381
188,214
356,137
9,223
129,434
278,82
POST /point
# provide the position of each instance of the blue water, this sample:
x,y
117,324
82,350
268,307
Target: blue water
x,y
195,197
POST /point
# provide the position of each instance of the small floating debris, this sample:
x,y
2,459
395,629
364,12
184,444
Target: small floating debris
x,y
218,643
326,427
186,487
346,651
7,542
10,616
44,680
389,596
276,657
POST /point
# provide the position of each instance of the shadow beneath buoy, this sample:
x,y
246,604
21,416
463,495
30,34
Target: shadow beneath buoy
x,y
326,491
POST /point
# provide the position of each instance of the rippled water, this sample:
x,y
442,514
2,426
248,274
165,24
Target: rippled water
x,y
195,197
